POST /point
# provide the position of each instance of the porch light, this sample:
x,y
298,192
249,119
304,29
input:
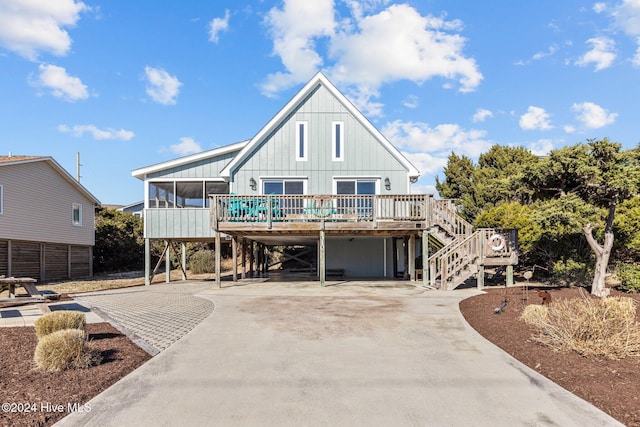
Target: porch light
x,y
387,183
252,184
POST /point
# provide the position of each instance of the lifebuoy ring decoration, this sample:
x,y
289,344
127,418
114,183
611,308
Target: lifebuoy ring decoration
x,y
497,242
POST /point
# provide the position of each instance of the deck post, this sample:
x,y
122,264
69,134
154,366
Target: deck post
x,y
183,250
234,255
167,265
480,279
251,258
405,252
147,261
425,258
510,275
322,260
243,251
217,249
412,257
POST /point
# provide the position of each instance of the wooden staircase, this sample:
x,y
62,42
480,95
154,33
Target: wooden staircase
x,y
464,252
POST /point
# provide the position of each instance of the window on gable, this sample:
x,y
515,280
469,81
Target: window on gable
x,y
302,143
337,137
76,214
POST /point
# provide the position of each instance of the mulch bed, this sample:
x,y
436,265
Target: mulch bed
x,y
611,385
42,398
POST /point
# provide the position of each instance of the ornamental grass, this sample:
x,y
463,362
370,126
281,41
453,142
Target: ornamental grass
x,y
591,327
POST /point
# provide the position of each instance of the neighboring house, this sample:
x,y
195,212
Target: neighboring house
x,y
47,226
136,209
319,174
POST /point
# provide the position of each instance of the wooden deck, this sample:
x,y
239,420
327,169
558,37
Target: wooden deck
x,y
310,214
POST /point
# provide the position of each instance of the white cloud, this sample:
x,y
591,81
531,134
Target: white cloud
x,y
30,27
294,30
367,51
186,146
535,118
96,133
599,7
60,84
481,115
592,115
163,87
602,53
627,17
569,129
411,101
541,147
419,137
218,25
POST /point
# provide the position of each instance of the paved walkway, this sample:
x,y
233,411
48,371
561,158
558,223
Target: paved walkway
x,y
154,317
360,354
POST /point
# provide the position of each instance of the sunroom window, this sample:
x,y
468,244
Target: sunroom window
x,y
184,194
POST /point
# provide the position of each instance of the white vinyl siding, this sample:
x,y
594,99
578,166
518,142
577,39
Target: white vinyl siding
x,y
37,206
337,141
302,141
1,199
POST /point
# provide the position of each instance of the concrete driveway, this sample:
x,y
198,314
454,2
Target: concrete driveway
x,y
375,354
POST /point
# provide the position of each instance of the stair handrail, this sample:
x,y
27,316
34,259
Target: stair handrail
x,y
438,259
443,214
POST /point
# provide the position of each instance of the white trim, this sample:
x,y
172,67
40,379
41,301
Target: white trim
x,y
304,156
143,172
304,180
334,142
73,216
376,179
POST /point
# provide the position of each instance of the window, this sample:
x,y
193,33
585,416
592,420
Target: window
x,y
189,194
283,186
76,215
291,205
214,187
363,206
302,144
337,137
161,195
184,194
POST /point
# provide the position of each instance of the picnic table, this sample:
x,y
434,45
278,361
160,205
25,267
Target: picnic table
x,y
26,282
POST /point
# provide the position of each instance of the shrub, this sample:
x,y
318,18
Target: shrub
x,y
571,272
629,275
65,349
203,262
535,315
591,327
59,320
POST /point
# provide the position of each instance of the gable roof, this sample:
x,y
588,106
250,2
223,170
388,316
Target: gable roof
x,y
143,172
294,103
17,160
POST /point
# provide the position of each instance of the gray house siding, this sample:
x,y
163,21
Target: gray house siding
x,y
189,223
206,168
178,224
364,156
358,257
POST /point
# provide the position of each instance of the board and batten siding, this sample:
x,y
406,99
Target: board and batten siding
x,y
187,223
38,206
202,169
364,155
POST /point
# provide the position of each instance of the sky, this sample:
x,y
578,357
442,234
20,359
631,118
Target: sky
x,y
128,84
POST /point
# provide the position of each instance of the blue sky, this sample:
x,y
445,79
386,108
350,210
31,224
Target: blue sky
x,y
133,83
